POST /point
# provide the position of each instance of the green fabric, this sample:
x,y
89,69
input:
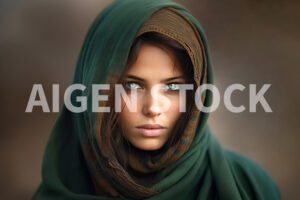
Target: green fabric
x,y
205,171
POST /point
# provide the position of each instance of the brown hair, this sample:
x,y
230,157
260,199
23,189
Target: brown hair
x,y
110,129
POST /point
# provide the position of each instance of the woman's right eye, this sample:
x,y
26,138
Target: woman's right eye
x,y
132,85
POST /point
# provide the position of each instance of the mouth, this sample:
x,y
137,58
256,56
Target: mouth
x,y
151,130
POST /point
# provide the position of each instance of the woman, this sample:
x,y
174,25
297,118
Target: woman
x,y
150,153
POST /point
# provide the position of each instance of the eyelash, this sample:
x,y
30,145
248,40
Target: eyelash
x,y
130,82
140,87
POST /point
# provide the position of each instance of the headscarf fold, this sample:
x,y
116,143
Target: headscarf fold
x,y
77,163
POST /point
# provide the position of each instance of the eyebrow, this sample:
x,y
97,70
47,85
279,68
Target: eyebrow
x,y
165,80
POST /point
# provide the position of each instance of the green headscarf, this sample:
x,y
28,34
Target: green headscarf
x,y
77,164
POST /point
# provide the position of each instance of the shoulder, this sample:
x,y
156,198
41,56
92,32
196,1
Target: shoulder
x,y
253,176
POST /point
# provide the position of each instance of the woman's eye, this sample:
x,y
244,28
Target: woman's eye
x,y
132,85
172,87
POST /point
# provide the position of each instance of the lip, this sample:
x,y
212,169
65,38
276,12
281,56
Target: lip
x,y
151,130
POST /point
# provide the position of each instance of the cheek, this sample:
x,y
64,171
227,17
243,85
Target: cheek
x,y
127,117
173,112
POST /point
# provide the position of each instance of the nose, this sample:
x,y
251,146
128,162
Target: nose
x,y
151,106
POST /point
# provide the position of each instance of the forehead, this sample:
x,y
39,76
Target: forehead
x,y
154,62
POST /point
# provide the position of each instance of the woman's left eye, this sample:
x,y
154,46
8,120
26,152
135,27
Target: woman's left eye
x,y
172,87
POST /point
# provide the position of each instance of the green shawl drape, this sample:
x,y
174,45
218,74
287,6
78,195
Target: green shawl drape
x,y
75,163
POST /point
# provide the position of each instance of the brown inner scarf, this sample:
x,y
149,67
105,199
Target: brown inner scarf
x,y
170,22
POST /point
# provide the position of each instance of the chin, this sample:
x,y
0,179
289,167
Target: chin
x,y
149,145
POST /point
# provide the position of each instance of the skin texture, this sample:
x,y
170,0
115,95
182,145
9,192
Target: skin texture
x,y
154,65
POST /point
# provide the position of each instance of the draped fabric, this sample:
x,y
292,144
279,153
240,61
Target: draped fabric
x,y
77,163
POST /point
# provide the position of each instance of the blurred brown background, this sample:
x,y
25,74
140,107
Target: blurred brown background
x,y
251,41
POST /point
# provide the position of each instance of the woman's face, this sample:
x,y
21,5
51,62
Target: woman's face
x,y
150,127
